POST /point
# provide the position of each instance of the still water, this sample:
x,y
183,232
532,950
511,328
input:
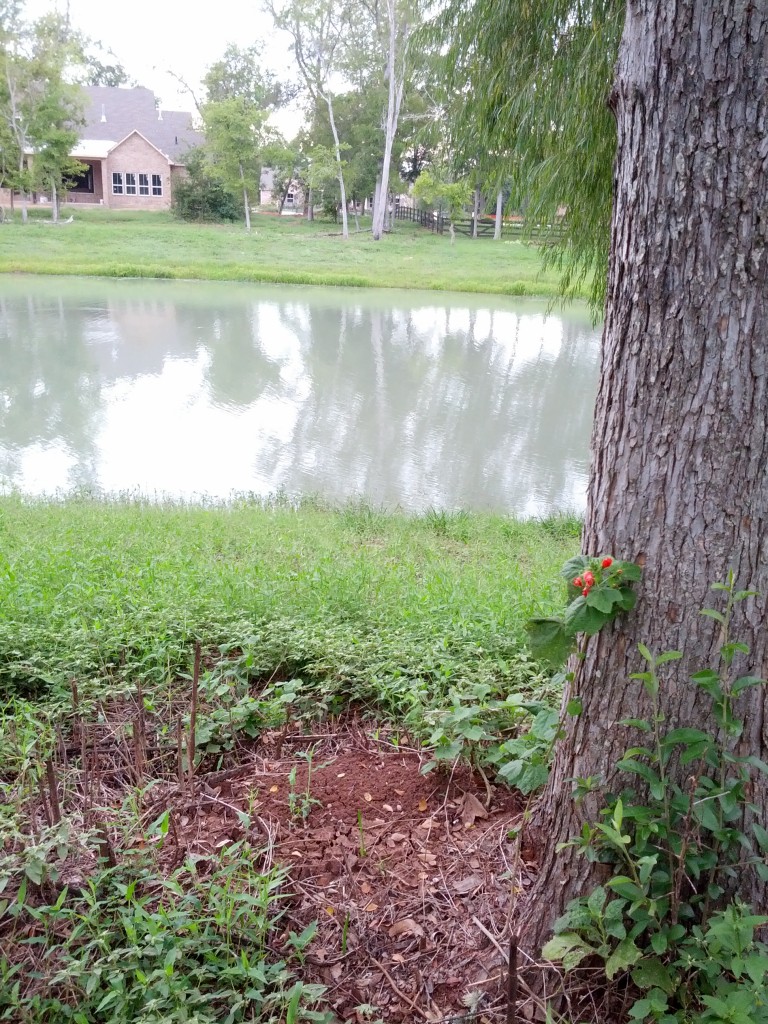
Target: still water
x,y
187,389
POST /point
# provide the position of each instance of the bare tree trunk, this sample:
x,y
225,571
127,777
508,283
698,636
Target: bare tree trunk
x,y
284,196
679,445
476,211
310,205
499,215
340,167
246,202
394,101
54,203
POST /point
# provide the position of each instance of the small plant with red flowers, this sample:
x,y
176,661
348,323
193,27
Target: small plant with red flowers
x,y
598,589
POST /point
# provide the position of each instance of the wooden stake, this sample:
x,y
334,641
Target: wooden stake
x,y
193,713
512,981
53,792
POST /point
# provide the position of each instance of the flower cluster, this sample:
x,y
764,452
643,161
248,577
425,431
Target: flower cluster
x,y
587,581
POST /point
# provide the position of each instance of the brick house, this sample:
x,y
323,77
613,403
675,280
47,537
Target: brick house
x,y
131,148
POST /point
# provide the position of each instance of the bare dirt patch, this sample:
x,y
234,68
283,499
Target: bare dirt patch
x,y
408,876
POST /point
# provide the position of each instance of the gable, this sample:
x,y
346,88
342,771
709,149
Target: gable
x,y
134,138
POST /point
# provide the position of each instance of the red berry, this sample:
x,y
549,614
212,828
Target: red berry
x,y
606,562
578,582
585,591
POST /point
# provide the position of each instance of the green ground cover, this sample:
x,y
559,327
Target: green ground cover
x,y
280,249
388,608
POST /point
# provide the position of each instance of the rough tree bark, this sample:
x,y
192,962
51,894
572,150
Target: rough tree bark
x,y
396,85
679,445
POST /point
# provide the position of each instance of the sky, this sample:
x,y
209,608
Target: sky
x,y
148,37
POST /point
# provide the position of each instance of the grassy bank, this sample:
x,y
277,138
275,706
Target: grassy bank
x,y
279,249
376,606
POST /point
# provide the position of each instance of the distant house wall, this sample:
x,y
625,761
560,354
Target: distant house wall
x,y
91,186
150,171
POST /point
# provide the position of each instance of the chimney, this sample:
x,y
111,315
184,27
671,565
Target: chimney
x,y
103,114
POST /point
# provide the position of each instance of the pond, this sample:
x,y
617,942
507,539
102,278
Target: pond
x,y
206,389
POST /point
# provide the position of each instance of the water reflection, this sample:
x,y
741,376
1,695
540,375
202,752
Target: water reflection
x,y
411,399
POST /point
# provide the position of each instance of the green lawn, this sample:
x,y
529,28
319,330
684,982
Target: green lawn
x,y
281,249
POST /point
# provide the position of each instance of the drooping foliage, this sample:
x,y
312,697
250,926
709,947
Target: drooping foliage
x,y
531,83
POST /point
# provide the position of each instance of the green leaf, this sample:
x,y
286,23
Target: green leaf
x,y
628,599
712,613
559,946
596,900
628,764
574,567
652,973
549,641
580,618
603,599
637,723
631,572
746,681
625,887
625,954
676,736
669,656
761,835
574,707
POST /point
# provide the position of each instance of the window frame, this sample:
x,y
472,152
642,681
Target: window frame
x,y
143,185
157,184
130,183
117,183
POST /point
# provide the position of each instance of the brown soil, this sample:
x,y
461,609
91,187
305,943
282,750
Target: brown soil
x,y
409,875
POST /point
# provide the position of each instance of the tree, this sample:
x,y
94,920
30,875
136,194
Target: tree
x,y
318,29
239,98
528,83
400,23
679,445
451,195
39,108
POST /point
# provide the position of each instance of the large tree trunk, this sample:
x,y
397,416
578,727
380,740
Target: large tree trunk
x,y
246,201
476,211
679,445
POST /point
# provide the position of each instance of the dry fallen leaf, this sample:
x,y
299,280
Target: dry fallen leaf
x,y
400,792
336,971
406,927
427,823
387,807
472,808
398,837
474,863
398,958
273,789
370,907
464,885
422,805
429,858
340,775
367,797
365,888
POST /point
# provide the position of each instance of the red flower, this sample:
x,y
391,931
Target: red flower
x,y
578,582
585,591
606,562
589,579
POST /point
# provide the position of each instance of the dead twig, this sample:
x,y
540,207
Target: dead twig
x,y
397,991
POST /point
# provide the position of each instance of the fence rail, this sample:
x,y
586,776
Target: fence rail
x,y
486,226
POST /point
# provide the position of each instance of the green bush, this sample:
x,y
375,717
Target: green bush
x,y
198,196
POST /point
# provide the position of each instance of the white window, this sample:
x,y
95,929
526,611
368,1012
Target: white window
x,y
117,183
130,184
290,198
157,185
143,184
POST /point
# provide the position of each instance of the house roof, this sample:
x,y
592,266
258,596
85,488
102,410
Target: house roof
x,y
111,114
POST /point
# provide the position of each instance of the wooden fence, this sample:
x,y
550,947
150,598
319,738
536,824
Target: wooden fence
x,y
486,226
